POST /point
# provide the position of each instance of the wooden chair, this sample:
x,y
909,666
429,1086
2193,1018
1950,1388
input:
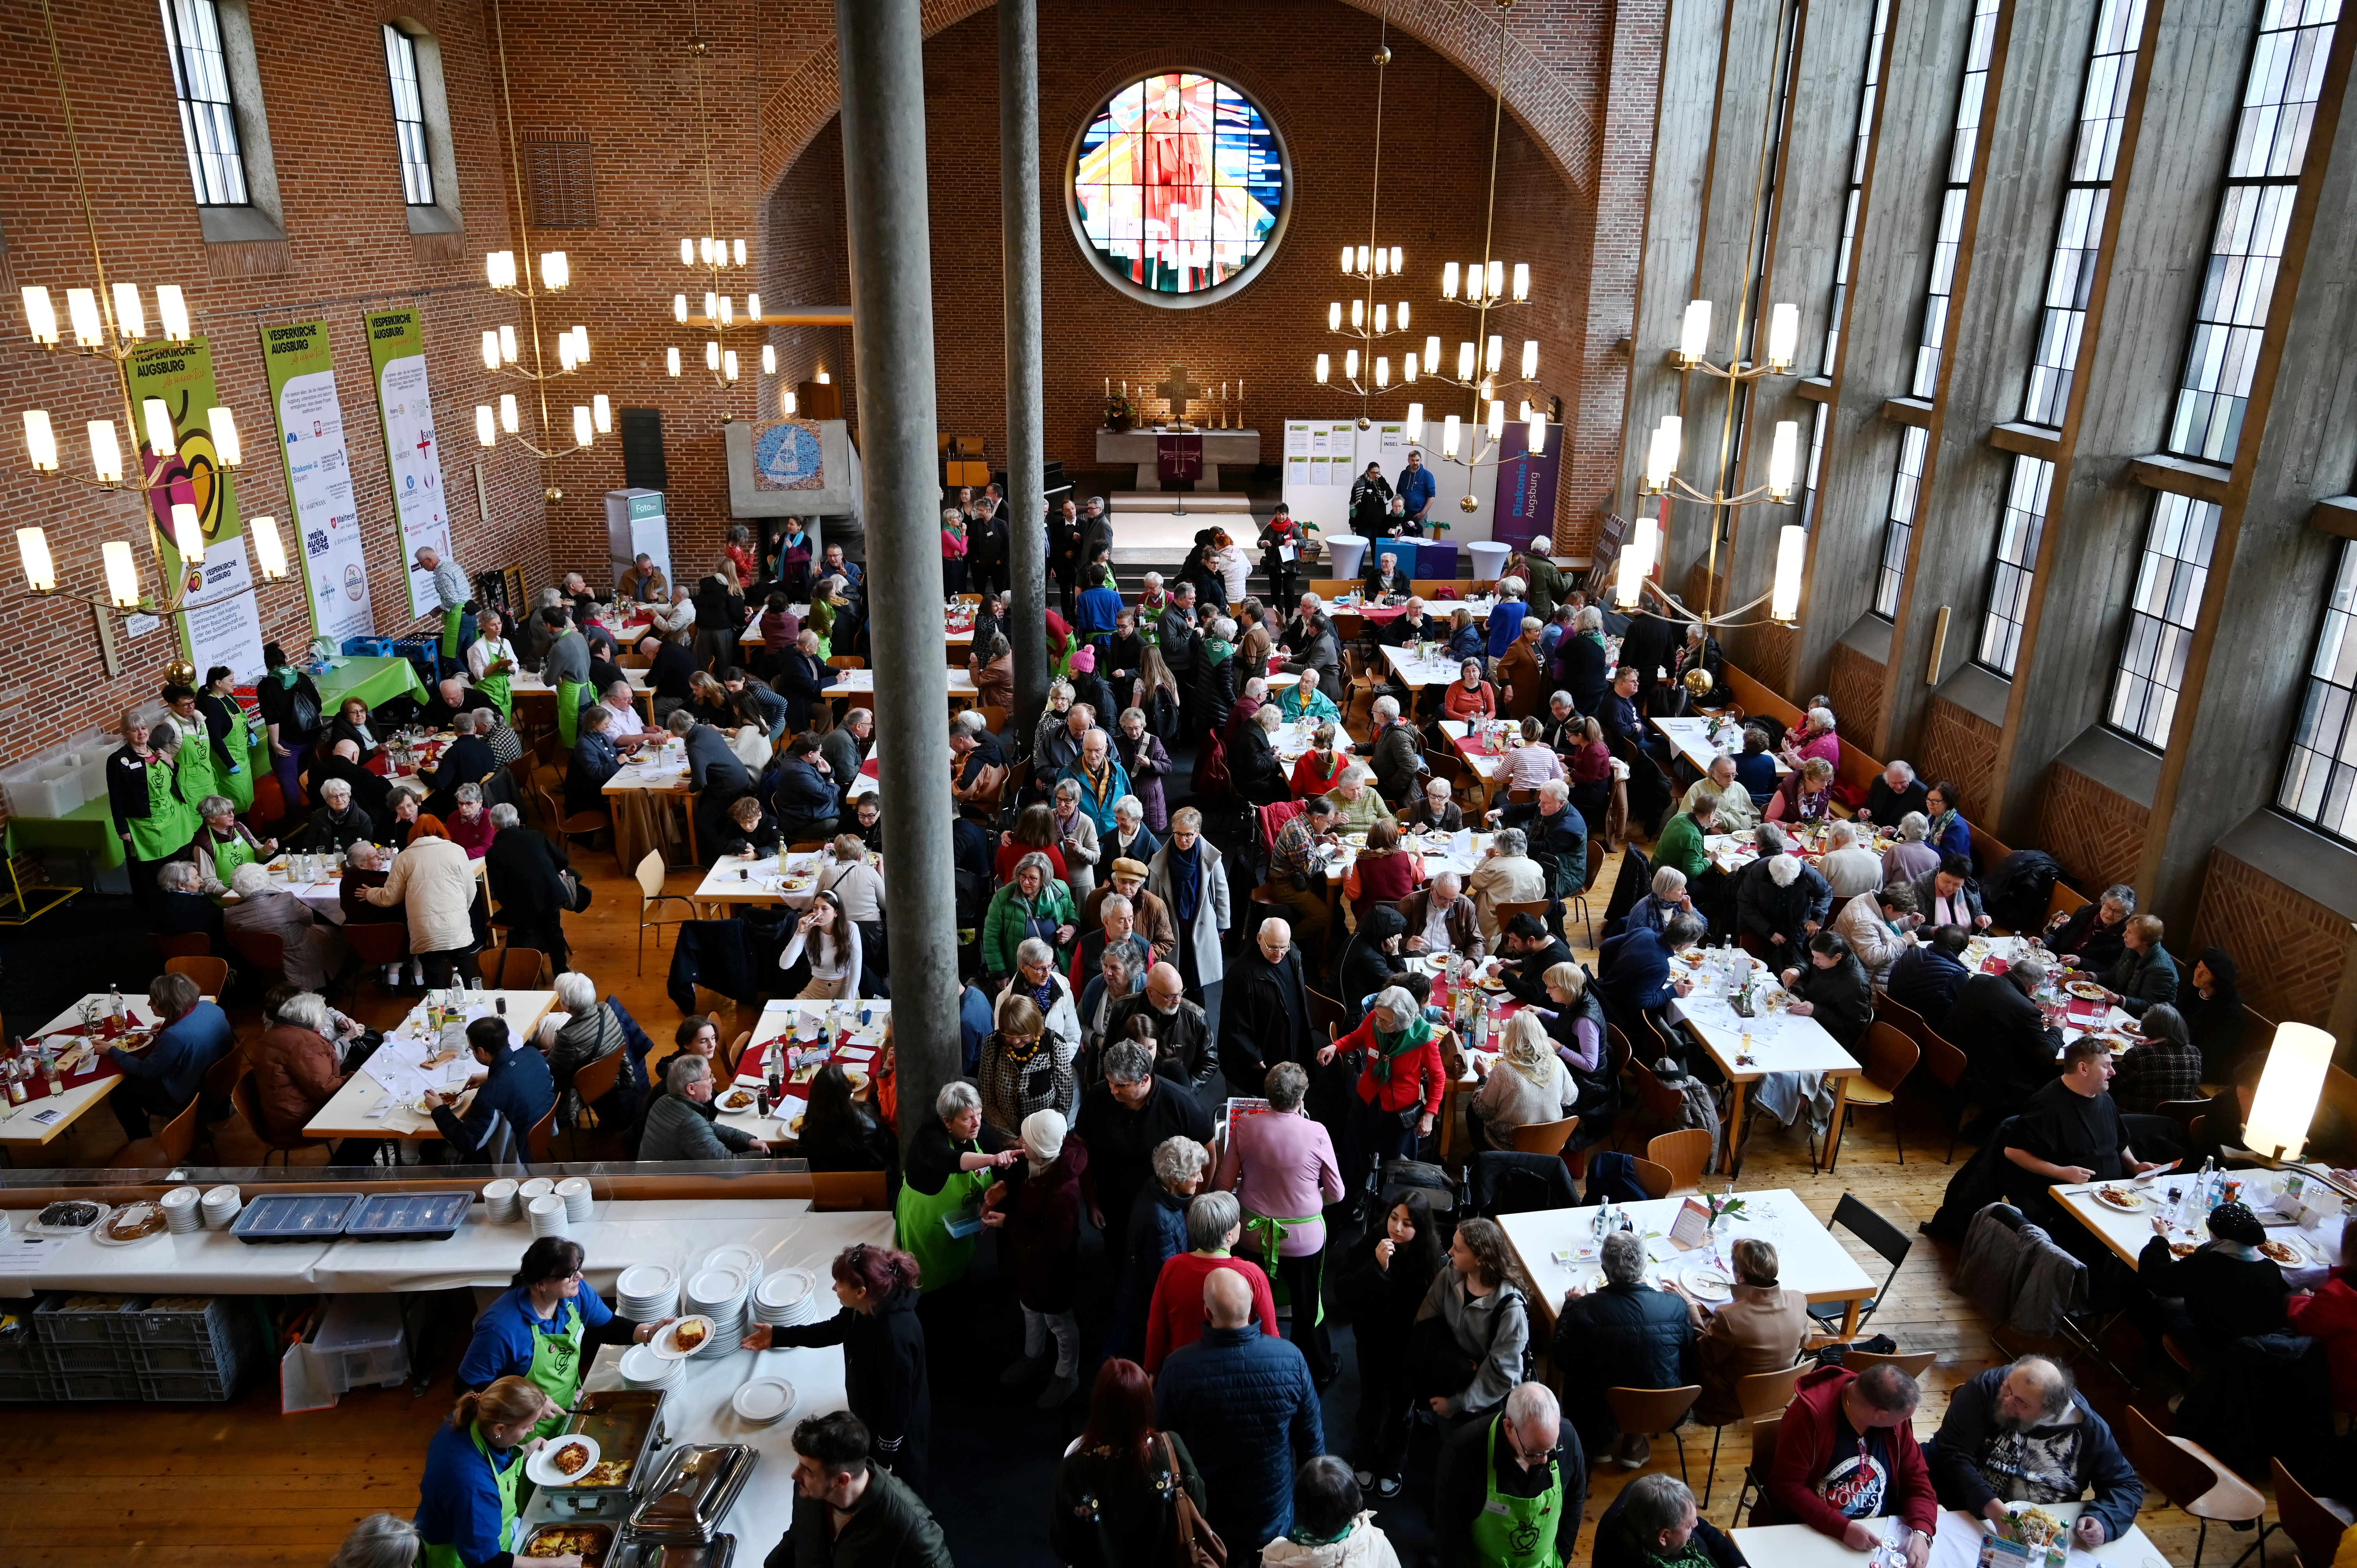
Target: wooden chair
x,y
1899,1012
1947,1066
593,1083
995,717
1913,1363
1890,1055
1657,1180
1764,1459
211,974
1665,1105
1545,1137
541,1136
1683,1154
1647,1411
516,968
652,896
379,943
1536,911
2193,1479
736,1051
248,1101
190,944
2314,1528
1757,1394
846,661
723,1010
264,953
167,1148
213,1098
563,824
1325,1014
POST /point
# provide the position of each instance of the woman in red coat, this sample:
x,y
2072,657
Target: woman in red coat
x,y
1043,1235
1400,1082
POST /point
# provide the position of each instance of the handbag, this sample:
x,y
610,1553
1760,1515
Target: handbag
x,y
1193,1542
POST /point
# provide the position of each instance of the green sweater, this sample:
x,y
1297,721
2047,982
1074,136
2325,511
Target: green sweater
x,y
1003,927
1680,844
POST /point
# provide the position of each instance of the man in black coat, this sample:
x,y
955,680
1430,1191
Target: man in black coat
x,y
714,773
1929,974
2010,1051
532,897
1181,1031
805,799
1064,551
1623,1333
1130,1112
1892,795
1264,1014
1183,646
372,793
1553,826
1527,950
466,760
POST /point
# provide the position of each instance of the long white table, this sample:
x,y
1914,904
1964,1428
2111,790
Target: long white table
x,y
1416,673
1692,737
30,1126
1957,1544
352,1112
1773,1040
778,1019
754,879
2126,1231
1559,1248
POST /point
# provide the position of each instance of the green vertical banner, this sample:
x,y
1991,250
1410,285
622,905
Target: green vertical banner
x,y
413,462
222,624
326,526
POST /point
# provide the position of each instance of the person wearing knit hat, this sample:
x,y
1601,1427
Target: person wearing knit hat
x,y
2225,1291
1043,1237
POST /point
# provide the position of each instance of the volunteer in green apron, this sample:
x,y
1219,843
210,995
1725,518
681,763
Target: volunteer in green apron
x,y
450,592
949,1171
490,660
467,1500
170,821
197,769
546,1328
224,843
1525,1522
232,733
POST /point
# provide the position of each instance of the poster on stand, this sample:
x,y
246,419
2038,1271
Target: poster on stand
x,y
326,528
1526,486
413,463
221,623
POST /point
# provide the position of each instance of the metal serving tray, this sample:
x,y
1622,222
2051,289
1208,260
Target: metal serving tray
x,y
717,1552
628,1423
409,1216
692,1493
295,1217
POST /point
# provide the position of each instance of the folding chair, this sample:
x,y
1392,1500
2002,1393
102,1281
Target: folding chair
x,y
1889,1242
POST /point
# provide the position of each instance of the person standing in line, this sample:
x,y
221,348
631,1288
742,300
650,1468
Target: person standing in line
x,y
1243,1402
850,1510
1281,1166
883,1355
1115,1488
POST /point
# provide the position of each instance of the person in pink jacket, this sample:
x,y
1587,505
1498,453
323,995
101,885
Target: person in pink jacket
x,y
1282,1168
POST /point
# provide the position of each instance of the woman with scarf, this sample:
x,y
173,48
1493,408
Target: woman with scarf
x,y
231,733
1041,1197
1146,760
194,766
2213,1010
1102,781
1947,831
1186,876
953,550
1319,766
1025,1065
2225,1291
1532,1087
291,713
491,663
1281,1167
1582,663
1806,794
789,559
1400,1085
223,844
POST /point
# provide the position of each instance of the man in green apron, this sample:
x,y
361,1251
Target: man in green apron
x,y
450,591
1511,1487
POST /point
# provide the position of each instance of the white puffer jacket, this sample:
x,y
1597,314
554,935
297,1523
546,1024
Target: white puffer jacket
x,y
1365,1547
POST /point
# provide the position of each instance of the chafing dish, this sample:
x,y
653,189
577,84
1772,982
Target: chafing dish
x,y
628,1425
717,1552
692,1493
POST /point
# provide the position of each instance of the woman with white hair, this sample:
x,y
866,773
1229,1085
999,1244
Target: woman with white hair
x,y
1156,1230
1815,737
1531,1086
380,1541
590,1031
223,844
529,879
1912,858
1506,616
953,1158
296,1071
1402,1075
314,952
1042,1203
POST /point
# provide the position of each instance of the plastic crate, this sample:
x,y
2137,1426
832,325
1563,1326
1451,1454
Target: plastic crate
x,y
222,1338
61,1327
202,1388
368,646
79,1386
360,1344
25,1373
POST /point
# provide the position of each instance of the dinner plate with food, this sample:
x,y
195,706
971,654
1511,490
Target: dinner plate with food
x,y
682,1337
2127,1200
2287,1254
563,1461
738,1099
2084,990
132,1222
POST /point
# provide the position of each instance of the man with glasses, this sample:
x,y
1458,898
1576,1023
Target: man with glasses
x,y
1511,1488
1181,1034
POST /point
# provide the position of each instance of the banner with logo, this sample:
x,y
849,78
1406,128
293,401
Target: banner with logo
x,y
220,624
1526,485
325,532
405,408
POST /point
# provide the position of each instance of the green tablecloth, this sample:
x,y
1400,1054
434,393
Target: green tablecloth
x,y
89,829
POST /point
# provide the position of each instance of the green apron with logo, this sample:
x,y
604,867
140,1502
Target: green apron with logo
x,y
1516,1533
571,697
496,688
450,620
922,1222
237,782
227,857
165,830
199,771
556,1366
447,1556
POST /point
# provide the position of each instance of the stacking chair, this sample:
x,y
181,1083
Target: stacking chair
x,y
1657,1180
167,1148
1890,1055
1913,1363
1946,1065
593,1083
651,897
2314,1528
1764,1459
1888,1241
541,1136
189,944
264,953
248,1101
1756,1395
378,943
1545,1137
1649,1411
211,974
517,969
2193,1479
1683,1154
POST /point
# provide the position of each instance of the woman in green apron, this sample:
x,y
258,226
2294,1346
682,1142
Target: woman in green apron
x,y
952,1160
224,843
197,769
232,733
170,821
467,1500
546,1328
492,661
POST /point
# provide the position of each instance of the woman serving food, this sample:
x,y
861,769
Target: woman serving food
x,y
467,1499
545,1330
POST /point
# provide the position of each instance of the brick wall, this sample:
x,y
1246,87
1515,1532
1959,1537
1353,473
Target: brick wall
x,y
2093,833
1960,746
2305,946
1854,685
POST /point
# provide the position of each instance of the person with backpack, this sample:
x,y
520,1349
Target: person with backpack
x,y
1472,1333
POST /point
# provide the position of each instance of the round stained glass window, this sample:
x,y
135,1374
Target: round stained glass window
x,y
1178,188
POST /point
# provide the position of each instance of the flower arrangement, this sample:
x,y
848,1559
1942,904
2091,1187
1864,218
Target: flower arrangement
x,y
1724,1205
1120,412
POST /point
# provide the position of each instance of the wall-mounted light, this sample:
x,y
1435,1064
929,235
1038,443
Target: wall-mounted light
x,y
1693,333
228,450
122,574
1784,459
40,570
40,441
1792,553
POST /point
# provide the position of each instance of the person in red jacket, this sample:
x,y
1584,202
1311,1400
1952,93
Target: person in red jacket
x,y
1401,1050
1846,1459
2330,1314
1214,1221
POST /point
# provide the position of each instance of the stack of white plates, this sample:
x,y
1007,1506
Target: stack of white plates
x,y
500,1204
546,1216
182,1212
538,1186
787,1298
764,1401
646,1293
642,1369
719,1295
220,1205
575,1191
738,1258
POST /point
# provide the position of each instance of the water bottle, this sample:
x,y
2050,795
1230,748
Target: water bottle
x,y
114,1004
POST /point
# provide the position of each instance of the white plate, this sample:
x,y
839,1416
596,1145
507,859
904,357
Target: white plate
x,y
1709,1281
735,1257
787,1289
666,1343
98,1232
716,1287
542,1467
645,1282
764,1399
642,1365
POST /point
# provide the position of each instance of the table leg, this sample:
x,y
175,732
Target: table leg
x,y
1849,1318
1742,1092
624,811
1834,1122
1448,1113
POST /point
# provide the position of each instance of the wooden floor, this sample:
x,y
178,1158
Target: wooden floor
x,y
243,1485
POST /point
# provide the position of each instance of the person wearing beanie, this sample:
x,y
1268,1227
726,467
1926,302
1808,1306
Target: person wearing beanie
x,y
2222,1292
1043,1237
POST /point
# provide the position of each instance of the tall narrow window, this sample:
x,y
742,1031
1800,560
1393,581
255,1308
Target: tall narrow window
x,y
207,120
2070,278
1901,524
408,117
2160,617
2320,783
1962,153
2254,212
1861,142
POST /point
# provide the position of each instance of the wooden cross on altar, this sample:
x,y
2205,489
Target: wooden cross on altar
x,y
1177,392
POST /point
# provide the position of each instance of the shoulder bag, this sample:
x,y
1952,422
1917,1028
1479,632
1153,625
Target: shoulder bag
x,y
1193,1542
